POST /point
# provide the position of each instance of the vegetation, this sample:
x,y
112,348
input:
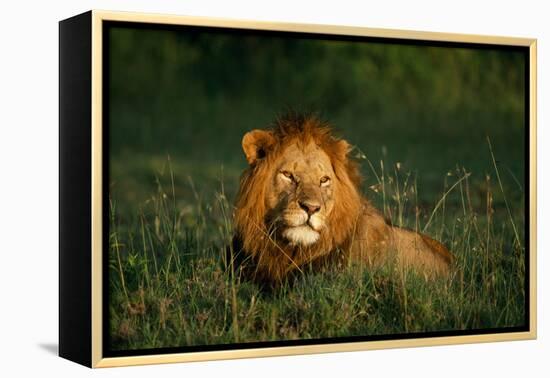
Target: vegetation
x,y
170,286
439,133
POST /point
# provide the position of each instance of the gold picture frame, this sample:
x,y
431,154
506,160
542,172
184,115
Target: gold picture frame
x,y
76,328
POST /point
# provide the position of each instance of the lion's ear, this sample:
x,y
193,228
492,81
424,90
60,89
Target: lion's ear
x,y
256,144
342,148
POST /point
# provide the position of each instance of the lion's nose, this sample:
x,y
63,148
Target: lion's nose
x,y
309,207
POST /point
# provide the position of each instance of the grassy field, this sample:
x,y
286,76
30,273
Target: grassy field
x,y
169,286
439,133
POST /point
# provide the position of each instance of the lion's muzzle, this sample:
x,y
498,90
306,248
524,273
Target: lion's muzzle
x,y
302,227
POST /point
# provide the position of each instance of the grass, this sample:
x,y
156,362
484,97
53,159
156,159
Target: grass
x,y
168,285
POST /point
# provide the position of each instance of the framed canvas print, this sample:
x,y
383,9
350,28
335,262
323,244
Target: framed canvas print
x,y
235,189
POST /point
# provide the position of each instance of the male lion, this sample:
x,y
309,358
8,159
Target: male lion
x,y
299,203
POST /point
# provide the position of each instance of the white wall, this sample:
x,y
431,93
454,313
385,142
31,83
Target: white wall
x,y
28,200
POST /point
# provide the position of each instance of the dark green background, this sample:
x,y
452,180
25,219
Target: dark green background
x,y
192,93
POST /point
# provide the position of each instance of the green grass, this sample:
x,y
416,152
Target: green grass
x,y
169,286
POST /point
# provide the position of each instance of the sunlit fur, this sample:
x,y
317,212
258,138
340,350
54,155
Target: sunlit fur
x,y
278,236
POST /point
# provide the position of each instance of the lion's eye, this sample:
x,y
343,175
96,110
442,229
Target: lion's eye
x,y
287,174
325,180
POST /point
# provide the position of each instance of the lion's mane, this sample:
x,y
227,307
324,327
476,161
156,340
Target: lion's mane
x,y
273,259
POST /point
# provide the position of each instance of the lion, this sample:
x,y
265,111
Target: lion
x,y
299,203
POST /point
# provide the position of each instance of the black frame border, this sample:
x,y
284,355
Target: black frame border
x,y
75,194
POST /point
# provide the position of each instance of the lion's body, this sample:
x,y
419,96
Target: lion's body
x,y
299,202
377,242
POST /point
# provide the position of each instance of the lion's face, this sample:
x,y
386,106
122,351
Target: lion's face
x,y
298,199
300,194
